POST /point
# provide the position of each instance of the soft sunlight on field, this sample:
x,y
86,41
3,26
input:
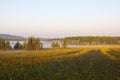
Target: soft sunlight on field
x,y
87,63
105,51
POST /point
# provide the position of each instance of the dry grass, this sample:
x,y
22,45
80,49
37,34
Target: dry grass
x,y
84,63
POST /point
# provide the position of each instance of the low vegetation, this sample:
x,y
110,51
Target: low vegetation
x,y
55,45
89,63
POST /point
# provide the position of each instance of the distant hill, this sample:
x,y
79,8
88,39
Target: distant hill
x,y
11,37
50,39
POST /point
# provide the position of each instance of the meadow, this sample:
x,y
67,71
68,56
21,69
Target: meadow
x,y
84,63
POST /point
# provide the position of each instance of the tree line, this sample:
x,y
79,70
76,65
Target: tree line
x,y
33,43
93,40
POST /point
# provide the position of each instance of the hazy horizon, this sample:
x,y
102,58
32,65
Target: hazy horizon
x,y
56,19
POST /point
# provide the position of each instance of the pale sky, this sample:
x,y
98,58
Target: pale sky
x,y
60,18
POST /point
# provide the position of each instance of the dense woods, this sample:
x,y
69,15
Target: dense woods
x,y
95,40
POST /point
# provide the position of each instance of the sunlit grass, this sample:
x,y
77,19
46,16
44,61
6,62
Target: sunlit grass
x,y
105,51
88,63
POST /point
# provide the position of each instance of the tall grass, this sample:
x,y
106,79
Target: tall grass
x,y
92,63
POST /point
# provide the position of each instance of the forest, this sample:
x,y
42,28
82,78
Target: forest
x,y
93,40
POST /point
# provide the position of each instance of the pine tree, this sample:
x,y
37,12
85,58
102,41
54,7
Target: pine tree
x,y
64,45
2,44
53,44
36,43
25,45
7,45
29,44
32,43
18,46
57,45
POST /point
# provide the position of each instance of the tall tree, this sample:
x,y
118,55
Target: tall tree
x,y
57,45
64,45
7,45
53,44
2,44
18,46
32,43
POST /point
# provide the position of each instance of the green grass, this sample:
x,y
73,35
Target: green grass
x,y
61,64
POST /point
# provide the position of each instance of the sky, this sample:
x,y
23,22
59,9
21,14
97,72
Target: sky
x,y
60,18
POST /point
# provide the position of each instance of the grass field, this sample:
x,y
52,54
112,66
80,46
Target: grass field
x,y
88,63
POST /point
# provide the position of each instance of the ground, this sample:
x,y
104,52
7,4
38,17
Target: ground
x,y
84,63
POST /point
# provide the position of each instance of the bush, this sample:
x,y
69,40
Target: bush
x,y
55,45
